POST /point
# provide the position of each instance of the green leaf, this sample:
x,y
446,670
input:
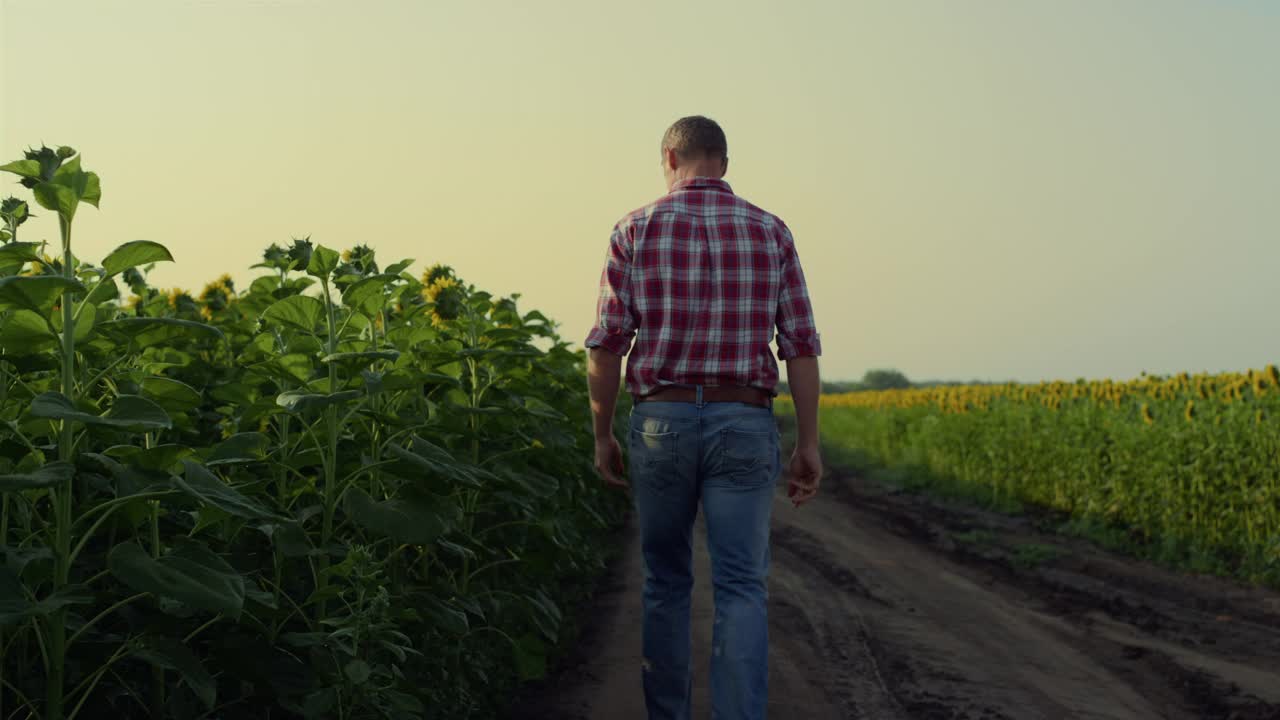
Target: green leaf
x,y
160,458
319,704
146,332
323,262
35,293
130,412
240,448
155,360
102,291
357,671
408,520
536,406
530,481
429,378
447,617
289,538
306,344
176,656
545,615
44,477
426,458
399,267
171,394
530,655
305,639
293,367
84,323
92,192
301,402
368,295
58,198
234,393
191,574
500,335
134,412
15,608
25,168
133,254
25,333
361,358
85,185
18,559
17,253
301,312
209,488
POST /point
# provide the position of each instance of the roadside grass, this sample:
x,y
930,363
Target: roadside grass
x,y
974,536
1029,556
915,477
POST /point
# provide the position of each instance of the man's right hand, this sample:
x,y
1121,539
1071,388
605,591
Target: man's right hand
x,y
609,461
806,474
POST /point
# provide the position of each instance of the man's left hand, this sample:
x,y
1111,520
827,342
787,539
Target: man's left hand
x,y
609,461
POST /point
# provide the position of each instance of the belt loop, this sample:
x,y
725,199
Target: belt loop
x,y
698,401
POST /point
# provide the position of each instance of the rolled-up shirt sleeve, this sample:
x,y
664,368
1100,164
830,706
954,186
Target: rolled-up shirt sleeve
x,y
797,333
616,320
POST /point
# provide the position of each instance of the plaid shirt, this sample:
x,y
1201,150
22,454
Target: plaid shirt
x,y
699,278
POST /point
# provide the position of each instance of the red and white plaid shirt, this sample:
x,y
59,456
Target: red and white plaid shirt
x,y
700,278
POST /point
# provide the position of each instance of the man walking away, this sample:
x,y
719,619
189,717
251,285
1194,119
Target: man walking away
x,y
699,279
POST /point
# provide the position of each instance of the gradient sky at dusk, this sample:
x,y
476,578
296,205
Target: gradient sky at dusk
x,y
1000,190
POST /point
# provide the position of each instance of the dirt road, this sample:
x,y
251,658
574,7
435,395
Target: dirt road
x,y
886,605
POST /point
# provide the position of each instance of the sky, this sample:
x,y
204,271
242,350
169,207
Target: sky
x,y
1001,190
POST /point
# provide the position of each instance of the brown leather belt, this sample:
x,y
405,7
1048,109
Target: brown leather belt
x,y
711,393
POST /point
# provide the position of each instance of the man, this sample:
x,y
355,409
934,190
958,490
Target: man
x,y
699,279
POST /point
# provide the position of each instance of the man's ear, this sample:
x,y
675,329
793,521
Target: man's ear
x,y
724,165
673,160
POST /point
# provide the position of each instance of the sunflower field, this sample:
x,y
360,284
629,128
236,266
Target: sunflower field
x,y
344,491
1187,465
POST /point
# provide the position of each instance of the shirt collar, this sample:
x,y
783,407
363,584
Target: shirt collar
x,y
702,182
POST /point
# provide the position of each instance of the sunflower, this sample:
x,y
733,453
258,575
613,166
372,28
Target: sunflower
x,y
216,296
181,300
435,272
444,293
431,292
46,264
360,259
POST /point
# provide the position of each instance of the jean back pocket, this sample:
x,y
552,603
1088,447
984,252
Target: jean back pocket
x,y
653,456
748,457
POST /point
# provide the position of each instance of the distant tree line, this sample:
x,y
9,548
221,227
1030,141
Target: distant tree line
x,y
882,379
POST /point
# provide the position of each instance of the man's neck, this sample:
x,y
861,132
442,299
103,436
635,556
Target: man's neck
x,y
696,172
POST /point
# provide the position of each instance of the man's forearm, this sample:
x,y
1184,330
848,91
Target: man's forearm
x,y
802,378
604,376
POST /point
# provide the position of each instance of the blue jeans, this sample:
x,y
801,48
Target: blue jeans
x,y
728,456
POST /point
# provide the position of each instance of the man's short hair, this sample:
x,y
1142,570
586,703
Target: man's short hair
x,y
696,136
